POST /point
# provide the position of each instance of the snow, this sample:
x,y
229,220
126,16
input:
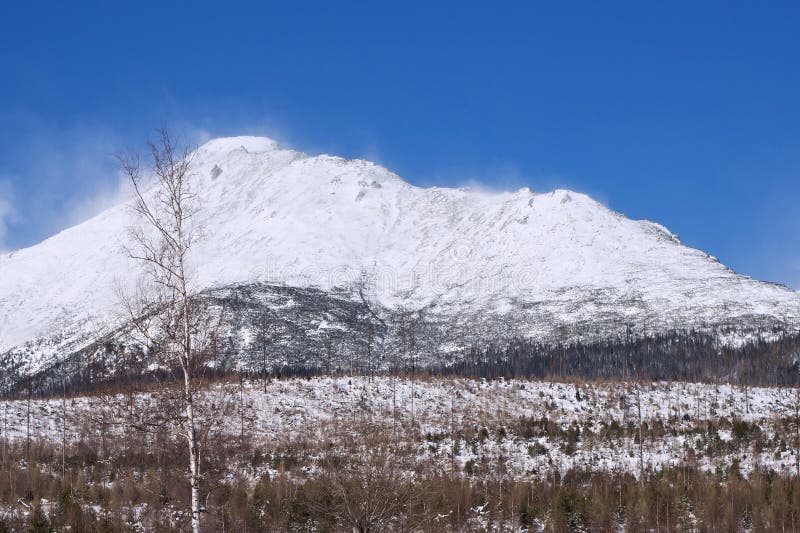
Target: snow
x,y
274,214
317,410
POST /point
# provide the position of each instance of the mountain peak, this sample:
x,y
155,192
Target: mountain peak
x,y
245,143
526,262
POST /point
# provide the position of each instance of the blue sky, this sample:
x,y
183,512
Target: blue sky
x,y
687,113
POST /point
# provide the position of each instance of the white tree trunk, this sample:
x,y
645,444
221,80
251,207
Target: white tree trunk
x,y
194,457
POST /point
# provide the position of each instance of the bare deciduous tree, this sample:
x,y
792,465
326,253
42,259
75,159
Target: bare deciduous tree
x,y
267,335
797,431
366,492
165,313
365,288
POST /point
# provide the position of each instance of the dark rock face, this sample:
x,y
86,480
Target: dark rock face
x,y
265,330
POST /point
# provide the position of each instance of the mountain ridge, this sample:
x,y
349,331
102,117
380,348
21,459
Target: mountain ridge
x,y
540,262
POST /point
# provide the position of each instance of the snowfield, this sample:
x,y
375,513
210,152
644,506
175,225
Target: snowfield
x,y
497,424
537,263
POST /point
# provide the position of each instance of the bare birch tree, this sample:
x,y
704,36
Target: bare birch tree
x,y
266,339
374,339
165,313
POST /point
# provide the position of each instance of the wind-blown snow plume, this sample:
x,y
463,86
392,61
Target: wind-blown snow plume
x,y
6,212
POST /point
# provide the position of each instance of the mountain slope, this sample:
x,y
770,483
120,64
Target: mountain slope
x,y
511,263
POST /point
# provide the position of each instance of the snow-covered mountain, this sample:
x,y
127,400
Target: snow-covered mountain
x,y
507,263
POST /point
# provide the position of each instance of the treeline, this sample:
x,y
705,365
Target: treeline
x,y
673,356
132,487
